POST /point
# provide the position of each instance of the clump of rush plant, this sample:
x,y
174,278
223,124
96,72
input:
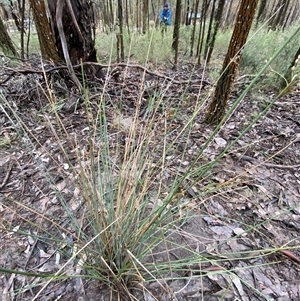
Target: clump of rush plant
x,y
123,190
121,208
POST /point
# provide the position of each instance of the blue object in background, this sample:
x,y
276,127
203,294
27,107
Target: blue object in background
x,y
165,14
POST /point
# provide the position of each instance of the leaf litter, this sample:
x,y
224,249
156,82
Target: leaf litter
x,y
250,230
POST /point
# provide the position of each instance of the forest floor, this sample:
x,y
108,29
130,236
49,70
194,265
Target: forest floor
x,y
260,176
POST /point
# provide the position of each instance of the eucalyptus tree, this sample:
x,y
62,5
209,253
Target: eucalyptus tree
x,y
176,30
120,37
69,33
262,10
188,13
4,13
209,29
44,32
6,43
231,62
279,12
204,10
293,13
194,27
217,22
145,16
284,13
226,19
15,10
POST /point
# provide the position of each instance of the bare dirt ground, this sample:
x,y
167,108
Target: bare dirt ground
x,y
257,211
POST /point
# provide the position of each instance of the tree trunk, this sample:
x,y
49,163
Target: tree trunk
x,y
120,38
226,18
104,11
176,30
274,14
137,14
194,28
205,6
216,28
187,14
4,11
71,36
14,14
279,11
207,45
157,13
261,12
22,29
145,15
231,63
295,13
46,40
284,14
112,15
5,41
127,16
78,29
291,15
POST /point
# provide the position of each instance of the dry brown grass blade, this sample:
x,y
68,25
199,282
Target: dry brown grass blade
x,y
290,255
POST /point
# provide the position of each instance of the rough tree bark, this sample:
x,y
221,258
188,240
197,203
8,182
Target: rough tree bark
x,y
284,13
231,62
46,40
292,13
5,41
70,35
120,37
78,29
22,29
279,10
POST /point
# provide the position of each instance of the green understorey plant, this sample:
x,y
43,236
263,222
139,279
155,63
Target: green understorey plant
x,y
268,41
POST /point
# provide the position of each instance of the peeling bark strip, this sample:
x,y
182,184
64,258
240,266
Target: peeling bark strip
x,y
78,27
63,40
231,63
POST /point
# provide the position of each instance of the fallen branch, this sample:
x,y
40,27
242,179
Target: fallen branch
x,y
123,65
